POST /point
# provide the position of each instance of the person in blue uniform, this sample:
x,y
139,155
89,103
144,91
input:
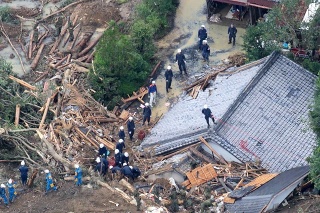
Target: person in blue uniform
x,y
78,175
3,194
49,186
131,127
122,134
23,173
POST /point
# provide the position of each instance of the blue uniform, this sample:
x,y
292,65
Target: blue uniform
x,y
78,176
208,114
101,168
180,58
118,159
122,135
104,152
205,52
120,146
3,195
202,35
115,169
136,172
50,184
126,171
168,74
146,114
131,126
24,174
152,88
125,159
12,191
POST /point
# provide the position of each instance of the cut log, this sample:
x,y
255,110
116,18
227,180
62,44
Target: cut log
x,y
90,57
71,178
90,46
60,62
81,134
30,44
125,183
83,64
17,118
37,58
213,151
23,83
134,97
154,70
45,113
32,177
77,68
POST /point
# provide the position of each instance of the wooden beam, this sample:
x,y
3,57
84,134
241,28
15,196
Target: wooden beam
x,y
212,150
45,113
16,121
23,83
200,155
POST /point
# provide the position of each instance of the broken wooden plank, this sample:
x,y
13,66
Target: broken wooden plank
x,y
81,134
201,175
23,83
134,97
17,117
37,58
213,151
154,69
45,113
200,155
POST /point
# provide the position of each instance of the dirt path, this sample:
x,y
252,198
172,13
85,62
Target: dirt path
x,y
190,16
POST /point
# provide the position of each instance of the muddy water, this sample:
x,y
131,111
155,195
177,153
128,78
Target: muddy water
x,y
190,16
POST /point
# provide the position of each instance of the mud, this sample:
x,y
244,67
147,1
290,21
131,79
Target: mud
x,y
189,17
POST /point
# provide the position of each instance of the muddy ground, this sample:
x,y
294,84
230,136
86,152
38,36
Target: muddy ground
x,y
189,17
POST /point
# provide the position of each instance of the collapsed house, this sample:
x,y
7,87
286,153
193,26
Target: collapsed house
x,y
262,112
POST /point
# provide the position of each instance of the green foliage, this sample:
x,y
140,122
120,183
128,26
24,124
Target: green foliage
x,y
312,66
119,68
66,3
5,13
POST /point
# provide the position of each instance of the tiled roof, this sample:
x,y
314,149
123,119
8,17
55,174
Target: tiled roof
x,y
185,118
269,120
258,199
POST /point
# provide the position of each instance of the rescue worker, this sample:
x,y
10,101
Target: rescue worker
x,y
118,157
58,25
100,167
208,114
122,135
135,171
36,30
125,158
49,181
131,127
146,114
202,35
23,173
103,151
120,145
152,93
115,171
70,29
181,60
3,194
205,51
11,189
126,171
232,31
168,74
78,175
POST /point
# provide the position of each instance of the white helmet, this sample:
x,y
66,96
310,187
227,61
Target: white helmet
x,y
203,26
101,145
168,67
124,164
205,41
98,160
205,106
126,154
76,166
147,104
121,127
130,118
120,140
116,151
131,167
179,50
46,171
23,163
10,181
3,186
153,82
110,167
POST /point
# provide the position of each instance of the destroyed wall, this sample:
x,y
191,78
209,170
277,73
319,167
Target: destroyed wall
x,y
184,123
270,120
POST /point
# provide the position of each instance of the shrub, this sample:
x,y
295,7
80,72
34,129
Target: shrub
x,y
312,66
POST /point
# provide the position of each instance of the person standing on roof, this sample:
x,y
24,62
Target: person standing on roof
x,y
202,35
208,114
49,181
131,127
205,51
78,175
122,134
3,194
181,60
23,173
168,74
152,93
146,114
232,31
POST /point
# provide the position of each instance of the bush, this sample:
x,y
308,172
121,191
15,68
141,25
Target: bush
x,y
312,66
119,68
5,13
